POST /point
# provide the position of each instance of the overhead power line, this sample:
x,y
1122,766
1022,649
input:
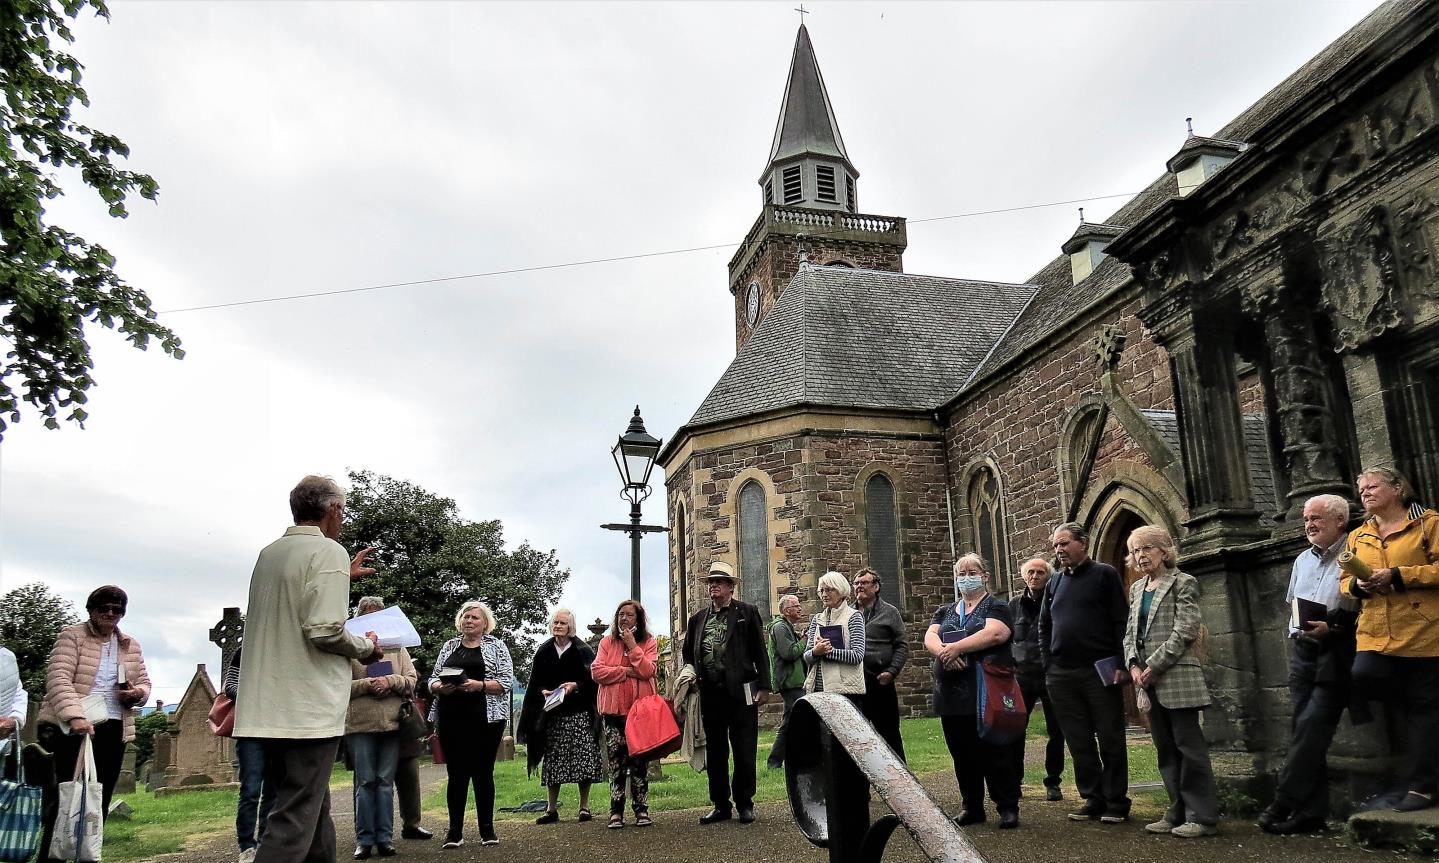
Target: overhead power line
x,y
592,261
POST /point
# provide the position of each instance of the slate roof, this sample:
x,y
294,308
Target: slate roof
x,y
806,123
1059,299
1256,450
847,337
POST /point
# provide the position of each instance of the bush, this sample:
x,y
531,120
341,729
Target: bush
x,y
146,727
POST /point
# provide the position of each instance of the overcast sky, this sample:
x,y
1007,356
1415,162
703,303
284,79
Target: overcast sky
x,y
304,147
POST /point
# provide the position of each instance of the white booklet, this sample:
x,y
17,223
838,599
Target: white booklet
x,y
557,697
390,624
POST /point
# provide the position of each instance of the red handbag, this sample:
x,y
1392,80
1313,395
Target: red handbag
x,y
222,717
650,729
437,752
1002,714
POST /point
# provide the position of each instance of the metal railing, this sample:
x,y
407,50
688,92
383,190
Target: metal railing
x,y
833,756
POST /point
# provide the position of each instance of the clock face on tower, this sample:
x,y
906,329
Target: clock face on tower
x,y
751,302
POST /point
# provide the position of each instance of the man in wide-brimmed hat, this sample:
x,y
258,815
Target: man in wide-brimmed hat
x,y
725,644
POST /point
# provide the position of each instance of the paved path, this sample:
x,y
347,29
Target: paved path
x,y
1046,836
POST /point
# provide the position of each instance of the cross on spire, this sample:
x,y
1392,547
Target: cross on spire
x,y
802,12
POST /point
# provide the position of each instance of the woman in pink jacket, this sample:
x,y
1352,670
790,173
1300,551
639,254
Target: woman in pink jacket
x,y
625,668
93,658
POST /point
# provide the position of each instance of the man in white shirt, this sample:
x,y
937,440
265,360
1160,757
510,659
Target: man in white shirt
x,y
1323,650
296,669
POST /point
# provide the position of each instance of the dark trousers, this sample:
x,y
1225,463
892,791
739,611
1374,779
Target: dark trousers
x,y
881,708
1184,764
1304,780
299,826
776,752
470,752
109,747
978,763
729,724
1031,686
407,788
1092,717
1410,684
256,798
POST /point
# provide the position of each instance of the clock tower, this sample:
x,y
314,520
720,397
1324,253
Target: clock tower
x,y
810,201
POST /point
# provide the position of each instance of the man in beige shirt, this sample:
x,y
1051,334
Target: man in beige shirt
x,y
297,672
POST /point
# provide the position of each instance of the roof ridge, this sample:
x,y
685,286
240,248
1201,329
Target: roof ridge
x,y
899,274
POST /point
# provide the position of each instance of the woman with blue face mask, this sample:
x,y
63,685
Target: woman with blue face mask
x,y
963,634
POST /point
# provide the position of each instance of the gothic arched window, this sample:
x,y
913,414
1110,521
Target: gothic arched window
x,y
882,535
987,508
682,574
754,548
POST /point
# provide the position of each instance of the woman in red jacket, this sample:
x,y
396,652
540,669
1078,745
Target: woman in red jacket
x,y
625,670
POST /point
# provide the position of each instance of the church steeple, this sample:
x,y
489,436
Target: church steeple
x,y
808,165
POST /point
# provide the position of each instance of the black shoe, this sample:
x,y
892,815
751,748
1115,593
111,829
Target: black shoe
x,y
1414,801
1272,815
774,765
385,849
362,852
416,833
549,817
746,814
967,817
1009,820
454,839
716,814
1299,824
1052,793
1089,812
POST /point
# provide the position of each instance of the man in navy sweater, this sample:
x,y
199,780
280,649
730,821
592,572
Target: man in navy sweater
x,y
1082,623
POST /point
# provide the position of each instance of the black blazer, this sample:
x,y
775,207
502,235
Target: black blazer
x,y
745,658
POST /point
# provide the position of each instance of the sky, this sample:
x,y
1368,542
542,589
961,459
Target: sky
x,y
311,147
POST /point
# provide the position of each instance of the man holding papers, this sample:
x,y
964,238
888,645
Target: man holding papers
x,y
1321,628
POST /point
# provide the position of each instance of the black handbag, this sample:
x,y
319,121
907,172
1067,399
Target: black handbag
x,y
413,724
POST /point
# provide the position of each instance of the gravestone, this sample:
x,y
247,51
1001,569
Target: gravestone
x,y
194,758
227,635
126,783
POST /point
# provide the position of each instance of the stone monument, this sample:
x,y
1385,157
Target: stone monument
x,y
190,757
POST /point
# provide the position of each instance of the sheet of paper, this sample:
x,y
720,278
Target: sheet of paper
x,y
390,624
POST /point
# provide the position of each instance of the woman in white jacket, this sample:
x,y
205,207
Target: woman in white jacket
x,y
836,664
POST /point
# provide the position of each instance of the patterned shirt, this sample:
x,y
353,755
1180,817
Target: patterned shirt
x,y
712,647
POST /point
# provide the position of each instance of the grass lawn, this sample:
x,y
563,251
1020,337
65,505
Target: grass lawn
x,y
163,825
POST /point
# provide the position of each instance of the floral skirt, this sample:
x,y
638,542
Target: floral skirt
x,y
572,754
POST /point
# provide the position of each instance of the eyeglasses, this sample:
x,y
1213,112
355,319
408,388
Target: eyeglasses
x,y
111,608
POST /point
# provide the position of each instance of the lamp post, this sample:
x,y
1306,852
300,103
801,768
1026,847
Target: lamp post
x,y
634,455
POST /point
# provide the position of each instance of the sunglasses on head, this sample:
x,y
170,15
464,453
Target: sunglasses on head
x,y
109,608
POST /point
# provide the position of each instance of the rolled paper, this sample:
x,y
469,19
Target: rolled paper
x,y
1355,567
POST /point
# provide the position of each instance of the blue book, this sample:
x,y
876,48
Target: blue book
x,y
383,668
835,634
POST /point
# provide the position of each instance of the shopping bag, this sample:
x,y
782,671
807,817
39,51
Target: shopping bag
x,y
650,729
20,807
222,717
1000,710
80,816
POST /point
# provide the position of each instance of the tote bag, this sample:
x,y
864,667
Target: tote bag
x,y
79,819
19,814
650,729
1000,710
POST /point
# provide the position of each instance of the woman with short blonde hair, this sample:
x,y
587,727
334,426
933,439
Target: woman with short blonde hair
x,y
471,681
836,663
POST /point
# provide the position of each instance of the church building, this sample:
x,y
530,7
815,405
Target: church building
x,y
1245,333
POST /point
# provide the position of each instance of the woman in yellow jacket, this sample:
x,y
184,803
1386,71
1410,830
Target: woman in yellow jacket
x,y
1398,634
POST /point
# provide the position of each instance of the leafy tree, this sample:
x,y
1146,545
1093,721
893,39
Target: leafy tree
x,y
52,282
30,619
429,560
146,727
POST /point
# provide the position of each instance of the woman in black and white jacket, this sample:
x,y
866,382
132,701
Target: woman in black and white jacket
x,y
470,713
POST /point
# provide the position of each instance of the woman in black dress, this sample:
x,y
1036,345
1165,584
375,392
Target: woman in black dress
x,y
471,682
566,735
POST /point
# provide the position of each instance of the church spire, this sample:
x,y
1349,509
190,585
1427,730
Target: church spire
x,y
808,165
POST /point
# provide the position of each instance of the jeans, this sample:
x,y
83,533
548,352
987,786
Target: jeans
x,y
1304,780
776,752
376,756
1092,716
1031,686
729,723
255,795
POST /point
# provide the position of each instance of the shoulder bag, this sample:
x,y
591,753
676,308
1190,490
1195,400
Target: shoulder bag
x,y
20,809
222,717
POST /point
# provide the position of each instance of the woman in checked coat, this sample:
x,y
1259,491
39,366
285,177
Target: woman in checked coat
x,y
1159,647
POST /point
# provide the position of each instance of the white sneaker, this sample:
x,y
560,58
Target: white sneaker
x,y
1194,830
1160,826
247,856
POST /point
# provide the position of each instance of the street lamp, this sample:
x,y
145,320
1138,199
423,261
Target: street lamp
x,y
634,454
